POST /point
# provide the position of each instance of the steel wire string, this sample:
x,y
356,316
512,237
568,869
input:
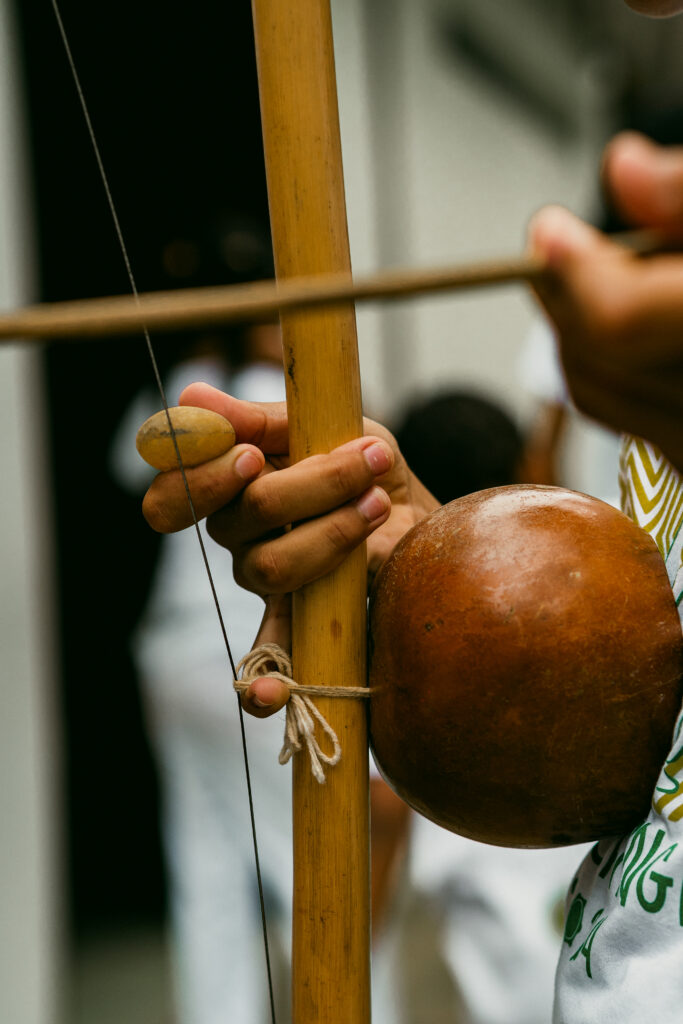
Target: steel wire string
x,y
162,394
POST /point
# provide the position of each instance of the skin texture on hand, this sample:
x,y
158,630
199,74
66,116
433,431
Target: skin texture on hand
x,y
620,317
645,181
287,525
361,491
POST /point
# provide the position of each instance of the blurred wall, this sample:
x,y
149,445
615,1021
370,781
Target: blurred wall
x,y
442,165
460,118
30,881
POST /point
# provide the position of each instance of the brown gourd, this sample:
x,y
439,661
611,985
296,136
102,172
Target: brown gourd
x,y
526,665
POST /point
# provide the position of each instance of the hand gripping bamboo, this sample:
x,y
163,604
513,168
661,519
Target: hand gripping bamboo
x,y
331,955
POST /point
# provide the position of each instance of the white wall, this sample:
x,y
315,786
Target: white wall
x,y
30,879
440,168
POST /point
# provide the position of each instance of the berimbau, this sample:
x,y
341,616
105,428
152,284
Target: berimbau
x,y
526,655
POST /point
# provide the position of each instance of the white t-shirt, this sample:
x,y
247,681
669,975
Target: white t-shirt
x,y
622,954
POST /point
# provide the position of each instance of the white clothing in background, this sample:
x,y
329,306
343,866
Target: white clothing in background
x,y
590,451
500,915
193,722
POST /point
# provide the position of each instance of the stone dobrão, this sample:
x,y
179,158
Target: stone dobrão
x,y
526,665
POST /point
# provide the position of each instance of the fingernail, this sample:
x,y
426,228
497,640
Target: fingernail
x,y
576,234
258,703
554,231
377,458
373,504
632,143
247,465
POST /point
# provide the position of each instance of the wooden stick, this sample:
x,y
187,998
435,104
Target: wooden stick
x,y
204,307
192,308
331,927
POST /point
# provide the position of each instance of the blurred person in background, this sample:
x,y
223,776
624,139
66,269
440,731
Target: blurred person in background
x,y
190,708
193,725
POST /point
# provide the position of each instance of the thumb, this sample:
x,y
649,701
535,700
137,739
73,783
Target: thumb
x,y
266,695
261,423
579,260
645,181
557,237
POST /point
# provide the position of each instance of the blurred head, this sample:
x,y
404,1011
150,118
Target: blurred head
x,y
458,443
656,8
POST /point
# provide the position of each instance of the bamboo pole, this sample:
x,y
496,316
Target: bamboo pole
x,y
331,926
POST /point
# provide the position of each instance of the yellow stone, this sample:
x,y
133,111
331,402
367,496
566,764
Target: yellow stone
x,y
202,435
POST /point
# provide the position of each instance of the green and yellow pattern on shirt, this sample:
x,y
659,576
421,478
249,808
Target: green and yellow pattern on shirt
x,y
652,495
651,492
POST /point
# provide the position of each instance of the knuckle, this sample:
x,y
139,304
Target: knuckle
x,y
344,477
157,513
341,533
239,573
261,504
267,570
218,527
210,490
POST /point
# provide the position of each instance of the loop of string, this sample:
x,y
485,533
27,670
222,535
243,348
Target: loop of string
x,y
162,394
302,714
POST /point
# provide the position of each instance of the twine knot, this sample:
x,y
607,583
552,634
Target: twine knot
x,y
302,714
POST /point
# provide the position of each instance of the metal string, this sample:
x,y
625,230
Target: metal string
x,y
162,393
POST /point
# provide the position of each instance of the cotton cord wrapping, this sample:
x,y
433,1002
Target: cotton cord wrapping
x,y
302,714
